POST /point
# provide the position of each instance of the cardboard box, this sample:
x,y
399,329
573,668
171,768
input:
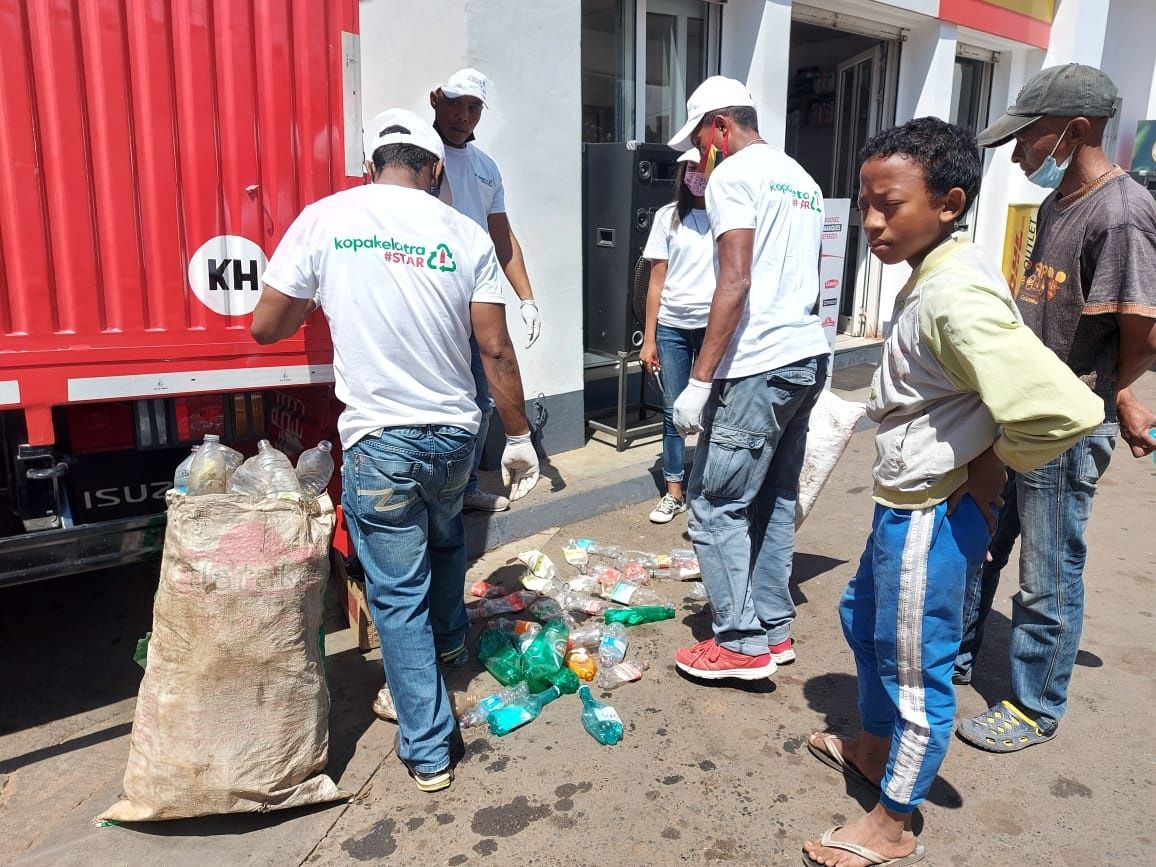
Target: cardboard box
x,y
356,606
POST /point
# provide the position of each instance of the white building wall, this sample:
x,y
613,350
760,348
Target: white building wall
x,y
756,50
1131,63
533,131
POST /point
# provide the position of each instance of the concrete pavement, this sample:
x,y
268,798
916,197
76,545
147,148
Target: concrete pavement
x,y
704,774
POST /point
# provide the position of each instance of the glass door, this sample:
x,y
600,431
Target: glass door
x,y
859,109
675,63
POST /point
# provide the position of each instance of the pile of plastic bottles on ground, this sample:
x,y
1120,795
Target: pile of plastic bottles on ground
x,y
214,468
583,636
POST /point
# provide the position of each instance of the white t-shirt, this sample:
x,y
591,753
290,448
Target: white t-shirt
x,y
394,271
475,183
762,188
688,250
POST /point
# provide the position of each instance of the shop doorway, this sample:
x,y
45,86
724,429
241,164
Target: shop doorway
x,y
841,93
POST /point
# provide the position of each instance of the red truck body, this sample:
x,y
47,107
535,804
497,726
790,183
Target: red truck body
x,y
153,154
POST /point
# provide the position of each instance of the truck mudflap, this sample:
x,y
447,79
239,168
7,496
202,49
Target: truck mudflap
x,y
54,553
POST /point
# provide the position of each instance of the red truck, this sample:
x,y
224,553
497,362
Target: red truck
x,y
152,154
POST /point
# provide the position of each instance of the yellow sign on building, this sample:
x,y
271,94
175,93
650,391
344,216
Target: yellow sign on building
x,y
1019,238
1044,10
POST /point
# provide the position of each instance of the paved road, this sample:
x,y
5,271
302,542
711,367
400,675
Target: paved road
x,y
704,775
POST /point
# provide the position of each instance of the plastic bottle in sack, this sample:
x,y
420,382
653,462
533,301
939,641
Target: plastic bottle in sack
x,y
315,469
209,468
181,475
612,647
276,470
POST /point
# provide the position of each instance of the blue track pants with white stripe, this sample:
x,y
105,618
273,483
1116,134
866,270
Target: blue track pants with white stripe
x,y
902,615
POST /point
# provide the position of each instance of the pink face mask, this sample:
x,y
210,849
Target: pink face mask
x,y
695,182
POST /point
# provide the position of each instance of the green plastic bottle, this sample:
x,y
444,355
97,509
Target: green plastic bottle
x,y
565,680
545,655
500,657
600,720
505,719
639,614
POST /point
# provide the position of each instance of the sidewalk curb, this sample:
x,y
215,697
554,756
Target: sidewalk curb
x,y
576,502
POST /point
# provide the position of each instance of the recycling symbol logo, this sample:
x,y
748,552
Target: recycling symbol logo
x,y
442,259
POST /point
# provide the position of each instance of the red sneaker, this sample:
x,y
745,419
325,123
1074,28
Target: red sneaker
x,y
709,661
783,652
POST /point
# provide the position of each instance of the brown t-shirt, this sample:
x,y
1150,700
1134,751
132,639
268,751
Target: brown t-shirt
x,y
1094,256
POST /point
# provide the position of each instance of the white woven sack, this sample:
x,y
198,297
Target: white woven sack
x,y
233,711
833,422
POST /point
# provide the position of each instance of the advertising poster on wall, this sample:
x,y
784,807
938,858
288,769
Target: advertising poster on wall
x,y
1019,239
832,256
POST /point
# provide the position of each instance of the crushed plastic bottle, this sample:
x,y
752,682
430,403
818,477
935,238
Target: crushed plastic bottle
x,y
479,712
581,663
612,647
640,614
583,584
500,657
315,469
599,719
504,720
486,590
625,593
540,571
181,475
596,549
697,591
266,474
636,573
583,603
565,680
575,555
545,655
624,672
588,635
515,602
684,564
546,608
606,576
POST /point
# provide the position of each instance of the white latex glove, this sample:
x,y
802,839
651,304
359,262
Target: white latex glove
x,y
689,406
519,466
533,320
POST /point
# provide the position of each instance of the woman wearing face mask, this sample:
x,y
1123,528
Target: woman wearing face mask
x,y
682,281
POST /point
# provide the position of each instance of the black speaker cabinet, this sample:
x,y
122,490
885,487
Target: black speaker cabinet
x,y
623,184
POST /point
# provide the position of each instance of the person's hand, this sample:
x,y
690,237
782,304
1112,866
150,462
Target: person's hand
x,y
986,477
689,406
519,466
1136,423
533,320
648,356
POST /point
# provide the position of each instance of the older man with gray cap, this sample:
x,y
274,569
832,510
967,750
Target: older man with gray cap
x,y
1088,293
404,280
754,383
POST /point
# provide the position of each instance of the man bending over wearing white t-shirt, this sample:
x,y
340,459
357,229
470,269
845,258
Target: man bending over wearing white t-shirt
x,y
403,279
474,187
761,368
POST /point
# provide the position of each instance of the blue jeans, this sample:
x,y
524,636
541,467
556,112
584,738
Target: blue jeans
x,y
403,503
742,493
902,615
485,404
677,350
1051,507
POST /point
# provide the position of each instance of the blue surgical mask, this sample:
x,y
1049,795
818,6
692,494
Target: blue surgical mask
x,y
1050,175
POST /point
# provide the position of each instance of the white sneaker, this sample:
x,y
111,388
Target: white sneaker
x,y
480,501
666,509
383,705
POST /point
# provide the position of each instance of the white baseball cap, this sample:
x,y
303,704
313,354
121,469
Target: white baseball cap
x,y
468,82
690,156
717,92
421,132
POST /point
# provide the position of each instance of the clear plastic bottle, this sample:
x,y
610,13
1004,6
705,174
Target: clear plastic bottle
x,y
505,719
515,602
612,647
266,474
582,603
479,712
626,593
209,469
588,635
315,469
599,719
625,672
181,476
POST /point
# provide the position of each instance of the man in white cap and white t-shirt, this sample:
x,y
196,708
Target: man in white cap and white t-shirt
x,y
403,280
761,368
474,187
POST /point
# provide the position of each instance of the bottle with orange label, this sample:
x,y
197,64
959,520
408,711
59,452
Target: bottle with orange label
x,y
582,663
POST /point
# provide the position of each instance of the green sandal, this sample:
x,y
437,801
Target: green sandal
x,y
1002,728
